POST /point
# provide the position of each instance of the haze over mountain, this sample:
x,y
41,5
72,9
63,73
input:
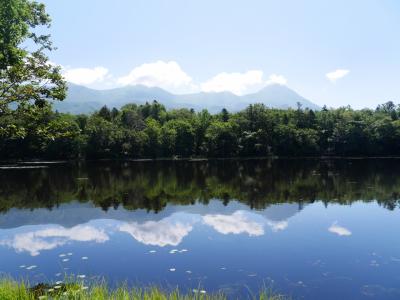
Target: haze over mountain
x,y
81,99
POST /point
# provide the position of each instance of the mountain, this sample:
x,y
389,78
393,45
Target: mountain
x,y
279,96
81,99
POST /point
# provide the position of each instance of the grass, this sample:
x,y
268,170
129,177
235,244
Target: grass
x,y
11,289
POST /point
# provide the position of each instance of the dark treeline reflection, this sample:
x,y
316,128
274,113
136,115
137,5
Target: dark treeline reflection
x,y
152,185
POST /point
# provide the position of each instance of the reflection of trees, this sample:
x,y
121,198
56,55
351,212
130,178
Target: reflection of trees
x,y
151,185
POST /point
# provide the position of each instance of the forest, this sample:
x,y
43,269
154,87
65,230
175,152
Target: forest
x,y
151,131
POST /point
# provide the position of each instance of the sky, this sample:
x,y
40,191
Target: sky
x,y
331,52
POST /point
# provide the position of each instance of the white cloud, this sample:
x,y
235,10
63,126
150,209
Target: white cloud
x,y
237,83
85,76
337,74
339,230
167,75
276,79
238,222
170,76
161,233
51,238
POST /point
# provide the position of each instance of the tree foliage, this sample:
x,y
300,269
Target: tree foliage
x,y
27,79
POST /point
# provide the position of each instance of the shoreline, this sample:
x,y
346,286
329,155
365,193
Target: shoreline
x,y
30,163
11,289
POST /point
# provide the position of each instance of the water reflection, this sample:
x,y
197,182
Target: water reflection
x,y
152,185
169,230
339,230
34,240
236,223
278,226
226,225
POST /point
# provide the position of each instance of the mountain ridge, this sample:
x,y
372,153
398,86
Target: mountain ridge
x,y
81,99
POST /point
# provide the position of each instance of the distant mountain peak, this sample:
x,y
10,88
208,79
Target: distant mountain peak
x,y
280,96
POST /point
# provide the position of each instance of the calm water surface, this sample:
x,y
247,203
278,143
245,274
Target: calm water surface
x,y
310,229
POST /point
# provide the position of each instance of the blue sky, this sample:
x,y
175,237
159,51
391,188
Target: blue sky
x,y
240,46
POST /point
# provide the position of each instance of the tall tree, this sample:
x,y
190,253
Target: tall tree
x,y
26,75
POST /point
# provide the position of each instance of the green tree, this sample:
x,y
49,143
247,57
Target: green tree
x,y
131,117
105,113
26,75
202,122
221,140
103,138
27,136
185,136
153,131
63,138
27,80
224,115
114,113
168,140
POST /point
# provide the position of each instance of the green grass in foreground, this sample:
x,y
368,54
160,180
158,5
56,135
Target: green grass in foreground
x,y
13,290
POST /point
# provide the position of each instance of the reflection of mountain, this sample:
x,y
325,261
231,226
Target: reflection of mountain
x,y
67,215
72,214
281,212
38,230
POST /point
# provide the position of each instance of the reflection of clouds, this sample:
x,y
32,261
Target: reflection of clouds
x,y
278,226
339,230
50,238
168,231
238,222
160,233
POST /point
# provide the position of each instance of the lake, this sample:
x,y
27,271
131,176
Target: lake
x,y
307,228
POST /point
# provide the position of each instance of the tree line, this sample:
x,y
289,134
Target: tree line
x,y
151,131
